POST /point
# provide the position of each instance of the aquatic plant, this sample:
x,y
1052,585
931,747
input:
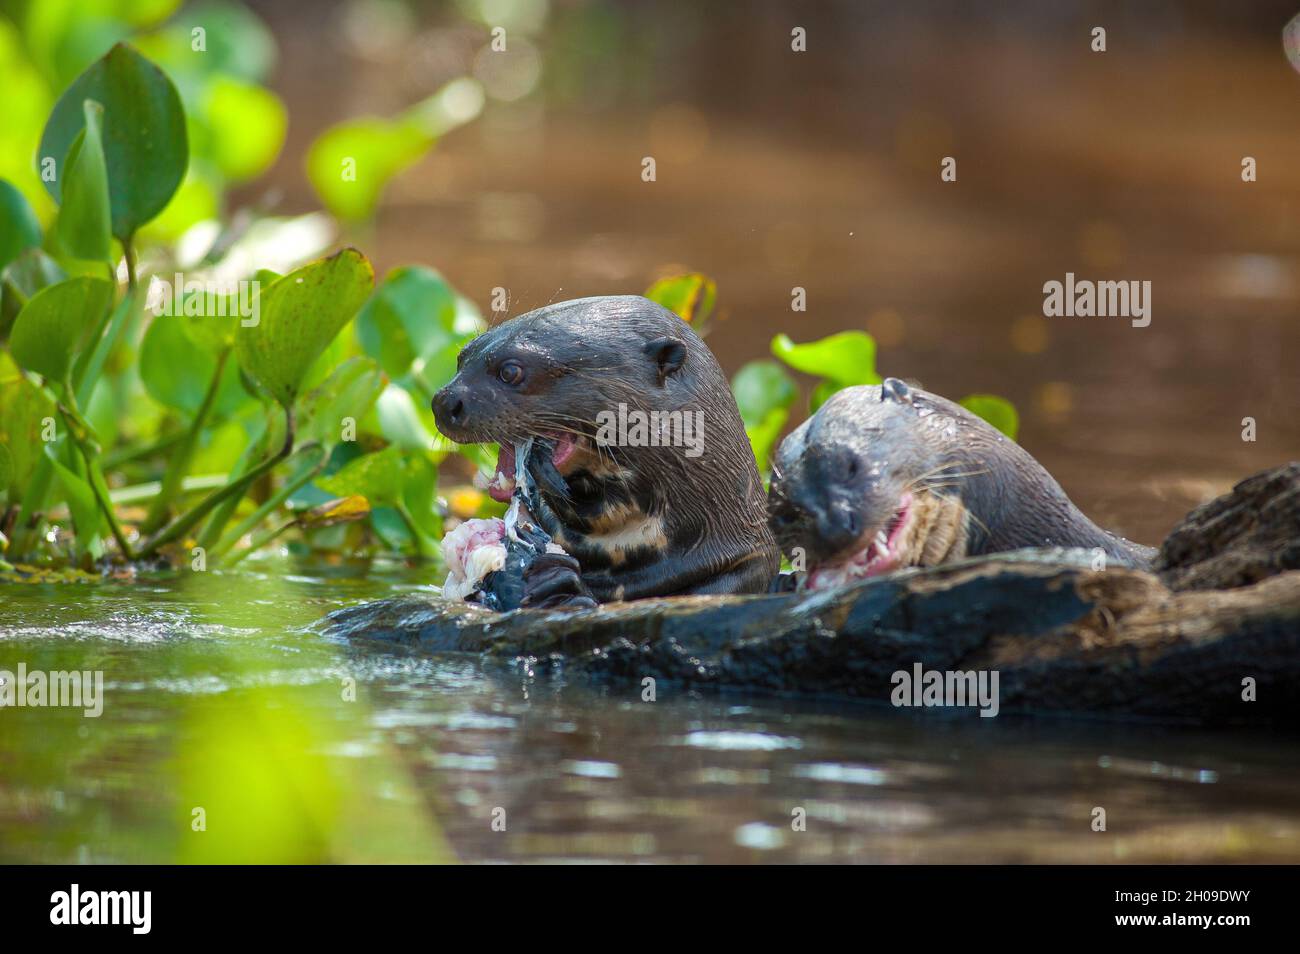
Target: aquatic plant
x,y
170,386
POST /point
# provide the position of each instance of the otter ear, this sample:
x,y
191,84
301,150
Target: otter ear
x,y
895,390
668,354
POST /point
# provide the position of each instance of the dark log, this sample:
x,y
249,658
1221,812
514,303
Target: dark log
x,y
1061,635
1240,538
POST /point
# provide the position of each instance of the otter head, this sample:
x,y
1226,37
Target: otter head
x,y
559,372
866,485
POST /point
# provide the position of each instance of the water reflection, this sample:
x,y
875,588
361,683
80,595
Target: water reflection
x,y
441,748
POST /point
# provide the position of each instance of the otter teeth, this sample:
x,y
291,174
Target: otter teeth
x,y
882,544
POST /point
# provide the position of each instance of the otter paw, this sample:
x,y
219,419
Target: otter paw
x,y
553,580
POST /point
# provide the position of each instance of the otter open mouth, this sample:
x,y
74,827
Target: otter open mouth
x,y
885,551
502,484
926,529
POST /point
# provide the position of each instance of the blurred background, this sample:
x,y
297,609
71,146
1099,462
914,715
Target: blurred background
x,y
821,169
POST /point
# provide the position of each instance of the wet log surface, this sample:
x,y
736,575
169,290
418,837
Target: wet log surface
x,y
1222,605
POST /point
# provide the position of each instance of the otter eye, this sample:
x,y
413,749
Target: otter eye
x,y
511,372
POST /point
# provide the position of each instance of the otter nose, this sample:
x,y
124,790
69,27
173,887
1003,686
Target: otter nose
x,y
449,406
838,526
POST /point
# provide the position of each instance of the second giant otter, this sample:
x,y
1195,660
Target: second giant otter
x,y
888,476
604,385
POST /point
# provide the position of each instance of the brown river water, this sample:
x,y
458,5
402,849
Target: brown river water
x,y
445,744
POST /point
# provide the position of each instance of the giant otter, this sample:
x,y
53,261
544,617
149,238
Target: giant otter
x,y
888,476
637,515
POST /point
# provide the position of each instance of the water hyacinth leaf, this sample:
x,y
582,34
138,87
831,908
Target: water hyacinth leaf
x,y
26,415
245,127
27,274
761,387
378,477
235,42
343,399
83,227
351,163
19,229
80,497
998,411
33,270
300,314
419,496
209,314
408,320
144,136
143,13
90,364
847,358
401,422
691,296
764,394
53,325
177,375
211,319
66,36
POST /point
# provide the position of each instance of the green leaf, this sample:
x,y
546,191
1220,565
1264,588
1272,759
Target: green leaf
x,y
351,163
177,374
761,387
691,296
349,392
764,394
6,467
300,314
19,229
23,410
245,127
86,515
33,270
83,227
998,411
237,43
27,274
419,497
145,147
53,325
847,358
400,421
378,477
410,324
